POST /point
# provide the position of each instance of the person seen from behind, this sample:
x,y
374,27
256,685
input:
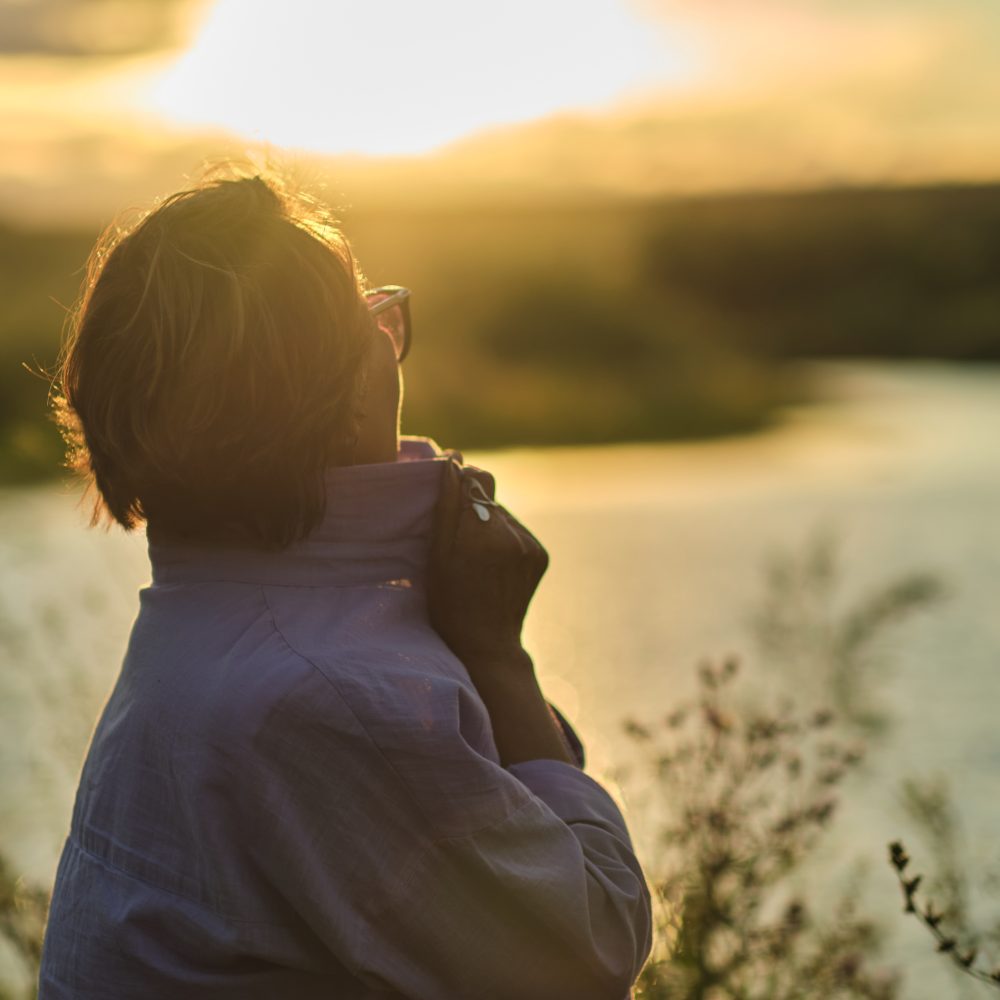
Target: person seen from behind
x,y
326,768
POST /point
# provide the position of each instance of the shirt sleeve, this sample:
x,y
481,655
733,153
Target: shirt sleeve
x,y
430,870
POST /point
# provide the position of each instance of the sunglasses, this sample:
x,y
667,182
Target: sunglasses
x,y
390,305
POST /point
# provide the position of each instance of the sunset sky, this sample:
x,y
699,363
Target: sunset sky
x,y
100,98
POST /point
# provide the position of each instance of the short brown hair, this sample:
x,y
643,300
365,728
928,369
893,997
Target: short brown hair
x,y
208,374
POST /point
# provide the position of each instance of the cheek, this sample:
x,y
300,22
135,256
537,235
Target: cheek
x,y
386,380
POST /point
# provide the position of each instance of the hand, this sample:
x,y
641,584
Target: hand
x,y
484,569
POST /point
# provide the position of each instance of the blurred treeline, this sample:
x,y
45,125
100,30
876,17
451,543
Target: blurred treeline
x,y
602,322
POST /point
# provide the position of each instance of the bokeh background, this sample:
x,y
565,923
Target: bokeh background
x,y
701,282
644,203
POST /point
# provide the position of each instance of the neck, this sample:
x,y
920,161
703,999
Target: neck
x,y
376,528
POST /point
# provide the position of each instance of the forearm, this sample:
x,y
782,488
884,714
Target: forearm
x,y
524,728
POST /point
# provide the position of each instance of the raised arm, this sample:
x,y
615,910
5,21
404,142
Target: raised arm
x,y
427,868
485,567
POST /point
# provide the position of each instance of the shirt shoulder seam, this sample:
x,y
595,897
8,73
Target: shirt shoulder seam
x,y
437,836
332,684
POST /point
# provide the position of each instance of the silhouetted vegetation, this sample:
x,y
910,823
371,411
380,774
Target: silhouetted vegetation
x,y
604,322
741,785
948,900
834,652
748,793
887,273
40,276
951,931
23,911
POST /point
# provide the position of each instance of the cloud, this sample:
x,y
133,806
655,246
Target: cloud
x,y
794,93
769,45
80,28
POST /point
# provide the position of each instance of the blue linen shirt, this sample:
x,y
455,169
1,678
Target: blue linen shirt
x,y
293,791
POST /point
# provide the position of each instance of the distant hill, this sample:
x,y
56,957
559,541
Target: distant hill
x,y
898,272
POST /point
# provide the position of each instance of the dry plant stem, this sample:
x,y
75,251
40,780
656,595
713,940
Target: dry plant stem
x,y
748,793
23,909
946,943
801,627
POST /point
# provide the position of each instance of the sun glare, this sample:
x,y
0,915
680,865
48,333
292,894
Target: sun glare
x,y
393,76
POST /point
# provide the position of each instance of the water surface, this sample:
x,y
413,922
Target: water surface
x,y
656,562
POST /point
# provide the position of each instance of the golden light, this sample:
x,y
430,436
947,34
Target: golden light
x,y
385,77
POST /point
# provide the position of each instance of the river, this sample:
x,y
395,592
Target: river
x,y
657,555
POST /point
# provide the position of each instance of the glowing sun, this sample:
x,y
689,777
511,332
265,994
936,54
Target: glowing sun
x,y
395,76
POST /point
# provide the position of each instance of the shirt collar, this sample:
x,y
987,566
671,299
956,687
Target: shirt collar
x,y
376,529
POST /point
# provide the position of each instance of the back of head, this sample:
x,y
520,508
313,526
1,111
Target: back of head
x,y
209,371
